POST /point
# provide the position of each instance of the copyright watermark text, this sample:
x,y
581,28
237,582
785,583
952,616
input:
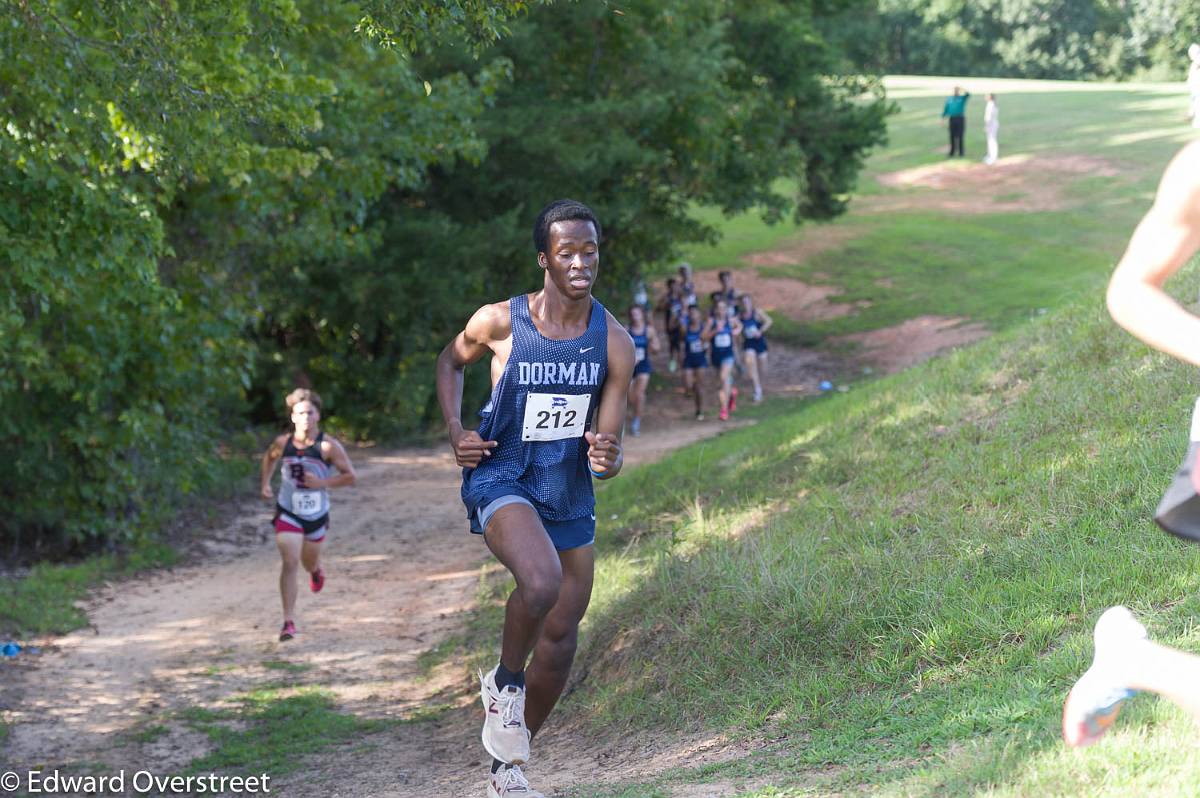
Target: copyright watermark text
x,y
123,782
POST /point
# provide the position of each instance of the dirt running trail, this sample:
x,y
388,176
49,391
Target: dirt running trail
x,y
402,575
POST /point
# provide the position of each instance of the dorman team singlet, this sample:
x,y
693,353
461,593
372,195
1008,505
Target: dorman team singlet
x,y
294,499
539,409
641,351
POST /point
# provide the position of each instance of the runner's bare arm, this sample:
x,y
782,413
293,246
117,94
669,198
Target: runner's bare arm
x,y
764,321
652,339
605,456
491,323
708,330
1167,237
735,326
336,454
270,458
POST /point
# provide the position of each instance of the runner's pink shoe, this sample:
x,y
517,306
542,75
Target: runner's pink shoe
x,y
733,400
316,580
288,631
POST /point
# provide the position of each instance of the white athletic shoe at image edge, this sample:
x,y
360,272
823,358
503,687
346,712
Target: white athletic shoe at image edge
x,y
505,735
1096,699
509,782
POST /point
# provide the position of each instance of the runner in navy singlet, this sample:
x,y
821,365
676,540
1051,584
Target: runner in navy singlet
x,y
694,361
687,286
730,295
720,331
673,312
728,292
561,369
755,324
302,510
645,341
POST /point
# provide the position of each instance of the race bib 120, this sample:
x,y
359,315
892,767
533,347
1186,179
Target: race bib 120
x,y
306,502
552,417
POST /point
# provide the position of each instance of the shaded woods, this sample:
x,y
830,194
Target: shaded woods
x,y
205,207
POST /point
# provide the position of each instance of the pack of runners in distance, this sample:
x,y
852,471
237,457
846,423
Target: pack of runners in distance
x,y
729,336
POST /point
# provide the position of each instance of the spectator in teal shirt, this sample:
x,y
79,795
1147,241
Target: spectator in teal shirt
x,y
955,110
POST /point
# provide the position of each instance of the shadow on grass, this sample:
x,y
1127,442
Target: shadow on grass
x,y
890,577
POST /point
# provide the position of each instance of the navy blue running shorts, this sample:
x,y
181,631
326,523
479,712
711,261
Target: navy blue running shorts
x,y
565,535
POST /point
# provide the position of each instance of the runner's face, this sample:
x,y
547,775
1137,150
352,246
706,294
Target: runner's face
x,y
635,316
305,416
572,257
747,303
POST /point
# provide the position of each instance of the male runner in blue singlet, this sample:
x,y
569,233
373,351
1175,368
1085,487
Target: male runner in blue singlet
x,y
561,369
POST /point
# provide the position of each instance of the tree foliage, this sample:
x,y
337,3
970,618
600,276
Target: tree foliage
x,y
1062,39
160,160
640,111
209,203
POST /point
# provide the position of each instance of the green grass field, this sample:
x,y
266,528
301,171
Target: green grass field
x,y
994,267
897,585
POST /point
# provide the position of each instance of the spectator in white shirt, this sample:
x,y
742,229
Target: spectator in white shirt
x,y
991,126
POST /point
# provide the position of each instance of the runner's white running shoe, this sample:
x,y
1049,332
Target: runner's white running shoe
x,y
504,733
509,782
1096,699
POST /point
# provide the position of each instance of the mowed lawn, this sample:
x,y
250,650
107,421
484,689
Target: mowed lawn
x,y
890,591
902,255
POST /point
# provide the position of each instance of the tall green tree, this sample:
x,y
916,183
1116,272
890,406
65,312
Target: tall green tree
x,y
1062,39
641,110
162,163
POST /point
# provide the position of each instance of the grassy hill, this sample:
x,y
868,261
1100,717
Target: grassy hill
x,y
1099,147
897,585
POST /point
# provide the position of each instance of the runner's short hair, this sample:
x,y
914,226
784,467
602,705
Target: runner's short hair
x,y
304,395
563,210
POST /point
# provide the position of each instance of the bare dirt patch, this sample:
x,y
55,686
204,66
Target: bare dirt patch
x,y
795,299
1016,183
817,238
902,345
402,577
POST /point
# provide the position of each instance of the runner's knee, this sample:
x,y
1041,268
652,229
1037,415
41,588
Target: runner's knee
x,y
539,592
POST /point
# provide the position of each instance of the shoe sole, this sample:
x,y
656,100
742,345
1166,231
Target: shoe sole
x,y
483,695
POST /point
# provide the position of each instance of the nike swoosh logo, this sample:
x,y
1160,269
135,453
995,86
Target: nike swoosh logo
x,y
589,349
